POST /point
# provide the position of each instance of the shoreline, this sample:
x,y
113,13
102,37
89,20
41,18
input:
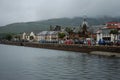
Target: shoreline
x,y
110,51
103,53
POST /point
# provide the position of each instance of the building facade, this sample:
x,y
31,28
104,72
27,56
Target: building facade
x,y
48,36
106,33
29,36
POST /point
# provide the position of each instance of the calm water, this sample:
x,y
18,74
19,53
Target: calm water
x,y
23,63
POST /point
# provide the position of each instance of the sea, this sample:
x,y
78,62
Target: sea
x,y
27,63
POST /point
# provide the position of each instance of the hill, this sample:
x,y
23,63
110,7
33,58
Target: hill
x,y
45,24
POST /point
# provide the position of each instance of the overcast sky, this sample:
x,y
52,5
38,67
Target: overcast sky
x,y
31,10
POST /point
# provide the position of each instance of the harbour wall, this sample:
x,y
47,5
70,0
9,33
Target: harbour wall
x,y
99,50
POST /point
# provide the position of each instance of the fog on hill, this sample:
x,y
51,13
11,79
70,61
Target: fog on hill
x,y
37,26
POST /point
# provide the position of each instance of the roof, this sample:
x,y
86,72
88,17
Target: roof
x,y
99,31
42,33
27,34
48,33
52,32
113,25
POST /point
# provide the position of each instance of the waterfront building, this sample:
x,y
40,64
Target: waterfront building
x,y
108,33
51,36
48,36
29,36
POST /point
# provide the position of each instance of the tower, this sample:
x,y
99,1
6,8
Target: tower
x,y
84,27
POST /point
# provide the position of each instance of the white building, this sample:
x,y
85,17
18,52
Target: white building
x,y
104,33
48,36
29,36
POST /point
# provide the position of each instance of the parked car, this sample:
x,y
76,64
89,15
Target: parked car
x,y
107,42
54,41
76,41
69,42
61,41
101,42
42,41
117,42
81,41
93,42
24,40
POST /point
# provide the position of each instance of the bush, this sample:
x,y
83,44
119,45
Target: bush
x,y
61,35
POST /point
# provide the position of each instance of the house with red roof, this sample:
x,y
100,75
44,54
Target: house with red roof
x,y
105,32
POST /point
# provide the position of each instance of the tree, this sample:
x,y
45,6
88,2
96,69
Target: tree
x,y
51,28
17,37
69,30
31,37
57,28
61,35
114,32
8,37
84,29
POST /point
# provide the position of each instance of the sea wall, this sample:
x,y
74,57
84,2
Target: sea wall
x,y
101,50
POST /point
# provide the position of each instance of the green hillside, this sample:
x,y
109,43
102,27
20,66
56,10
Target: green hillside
x,y
44,25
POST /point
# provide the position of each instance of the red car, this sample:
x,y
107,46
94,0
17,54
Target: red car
x,y
68,42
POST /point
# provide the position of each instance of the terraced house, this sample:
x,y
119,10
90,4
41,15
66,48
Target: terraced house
x,y
48,36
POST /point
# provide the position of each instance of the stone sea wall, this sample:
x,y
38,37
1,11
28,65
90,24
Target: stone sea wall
x,y
100,50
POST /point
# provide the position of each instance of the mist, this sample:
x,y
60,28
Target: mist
x,y
12,11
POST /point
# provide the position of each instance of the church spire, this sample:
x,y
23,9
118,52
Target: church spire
x,y
84,26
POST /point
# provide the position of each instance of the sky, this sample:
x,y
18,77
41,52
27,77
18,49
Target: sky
x,y
12,11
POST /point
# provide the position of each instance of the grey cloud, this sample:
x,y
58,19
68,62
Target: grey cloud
x,y
31,10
